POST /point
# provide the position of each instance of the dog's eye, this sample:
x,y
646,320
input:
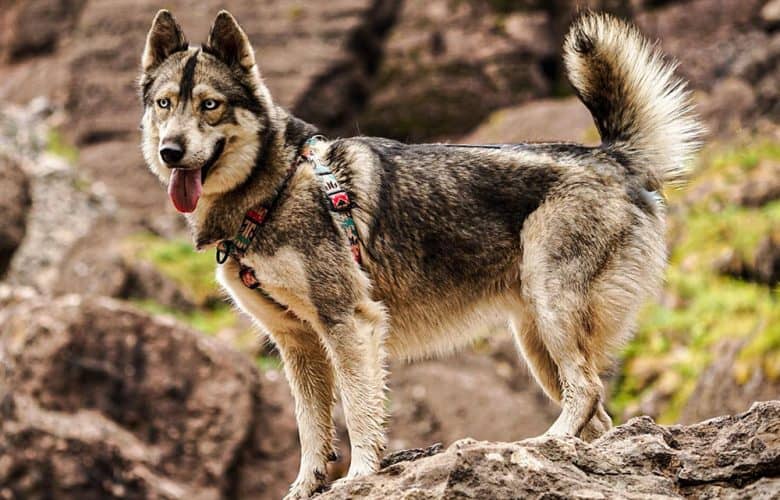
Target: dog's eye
x,y
164,103
210,104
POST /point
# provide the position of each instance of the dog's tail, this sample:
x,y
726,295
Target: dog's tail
x,y
642,110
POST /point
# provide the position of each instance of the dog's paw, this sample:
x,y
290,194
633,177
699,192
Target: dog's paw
x,y
306,487
360,468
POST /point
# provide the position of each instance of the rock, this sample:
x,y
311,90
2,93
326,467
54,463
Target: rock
x,y
34,27
759,67
728,103
721,390
94,265
767,260
144,281
764,268
100,400
14,204
61,204
447,66
717,40
770,14
727,457
487,394
538,120
761,186
63,208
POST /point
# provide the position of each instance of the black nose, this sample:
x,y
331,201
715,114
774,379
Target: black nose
x,y
171,152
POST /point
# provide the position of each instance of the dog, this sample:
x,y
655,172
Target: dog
x,y
564,241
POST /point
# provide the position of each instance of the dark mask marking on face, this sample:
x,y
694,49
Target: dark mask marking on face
x,y
188,78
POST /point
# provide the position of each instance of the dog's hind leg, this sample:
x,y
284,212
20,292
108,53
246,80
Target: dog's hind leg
x,y
534,352
585,273
542,366
559,260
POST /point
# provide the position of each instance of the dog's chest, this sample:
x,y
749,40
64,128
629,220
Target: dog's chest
x,y
281,275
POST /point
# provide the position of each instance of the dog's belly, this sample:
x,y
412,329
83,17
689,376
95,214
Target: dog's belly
x,y
430,329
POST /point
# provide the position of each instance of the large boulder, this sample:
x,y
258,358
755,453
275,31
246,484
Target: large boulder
x,y
14,203
447,65
730,385
538,120
724,51
99,399
727,457
34,27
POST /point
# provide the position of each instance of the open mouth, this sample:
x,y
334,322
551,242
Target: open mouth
x,y
186,184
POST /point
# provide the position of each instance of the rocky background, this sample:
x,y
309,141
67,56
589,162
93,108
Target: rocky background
x,y
124,374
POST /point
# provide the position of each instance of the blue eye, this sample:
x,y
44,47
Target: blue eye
x,y
164,103
210,104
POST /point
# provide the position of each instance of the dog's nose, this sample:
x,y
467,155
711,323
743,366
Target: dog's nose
x,y
171,152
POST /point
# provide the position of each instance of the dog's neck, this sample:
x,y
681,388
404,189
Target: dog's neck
x,y
220,215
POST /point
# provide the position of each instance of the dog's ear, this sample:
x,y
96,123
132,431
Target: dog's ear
x,y
165,37
228,42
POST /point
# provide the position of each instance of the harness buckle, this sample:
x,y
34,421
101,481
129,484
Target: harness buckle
x,y
224,249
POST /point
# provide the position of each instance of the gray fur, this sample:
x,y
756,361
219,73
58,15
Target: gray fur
x,y
562,240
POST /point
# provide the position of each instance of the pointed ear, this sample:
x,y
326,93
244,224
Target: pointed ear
x,y
164,38
228,42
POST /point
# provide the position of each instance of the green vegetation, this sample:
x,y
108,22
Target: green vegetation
x,y
57,145
210,321
701,306
177,260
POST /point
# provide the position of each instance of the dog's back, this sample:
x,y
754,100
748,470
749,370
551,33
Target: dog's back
x,y
459,232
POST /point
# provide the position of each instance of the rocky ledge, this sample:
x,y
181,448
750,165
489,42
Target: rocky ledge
x,y
726,457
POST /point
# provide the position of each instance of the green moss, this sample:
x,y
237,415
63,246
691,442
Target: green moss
x,y
762,350
296,12
192,271
209,321
746,156
674,341
267,362
57,145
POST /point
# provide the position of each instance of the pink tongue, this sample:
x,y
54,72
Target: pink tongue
x,y
184,189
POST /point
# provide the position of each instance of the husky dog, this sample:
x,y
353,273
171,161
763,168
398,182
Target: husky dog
x,y
562,240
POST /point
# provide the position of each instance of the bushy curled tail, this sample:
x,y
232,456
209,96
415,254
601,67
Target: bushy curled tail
x,y
642,110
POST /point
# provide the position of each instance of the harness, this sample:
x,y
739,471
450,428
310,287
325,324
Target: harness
x,y
338,202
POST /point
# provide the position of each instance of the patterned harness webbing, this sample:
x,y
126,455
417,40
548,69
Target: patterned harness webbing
x,y
338,199
340,203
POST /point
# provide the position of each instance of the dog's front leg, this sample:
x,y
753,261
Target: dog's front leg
x,y
354,342
310,375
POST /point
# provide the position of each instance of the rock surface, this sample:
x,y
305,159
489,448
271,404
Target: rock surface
x,y
538,121
726,457
101,400
60,202
14,204
719,42
447,65
486,393
720,390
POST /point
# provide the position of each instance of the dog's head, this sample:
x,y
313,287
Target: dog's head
x,y
205,109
